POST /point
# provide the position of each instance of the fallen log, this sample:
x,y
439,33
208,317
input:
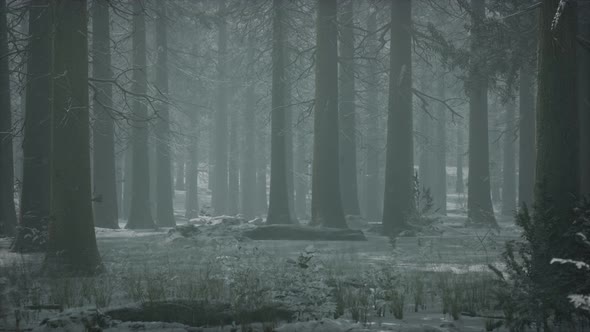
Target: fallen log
x,y
199,313
297,232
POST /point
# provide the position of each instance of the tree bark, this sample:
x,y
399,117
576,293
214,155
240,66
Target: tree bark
x,y
301,175
399,202
7,209
289,135
278,207
71,241
192,176
326,206
19,118
128,178
583,58
494,139
459,183
220,186
526,160
164,208
557,181
104,174
180,170
372,201
426,160
34,204
347,115
509,163
233,200
140,214
261,186
479,201
248,174
440,156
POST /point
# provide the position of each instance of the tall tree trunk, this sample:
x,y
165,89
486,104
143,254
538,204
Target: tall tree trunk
x,y
399,202
220,186
326,205
509,163
289,136
119,173
261,152
19,117
557,181
278,207
372,201
192,174
104,174
495,158
583,58
7,209
348,171
180,169
526,153
71,241
248,174
233,187
165,210
140,214
128,178
479,201
459,183
425,156
34,204
211,154
301,175
440,156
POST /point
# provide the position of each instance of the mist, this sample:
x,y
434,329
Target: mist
x,y
294,165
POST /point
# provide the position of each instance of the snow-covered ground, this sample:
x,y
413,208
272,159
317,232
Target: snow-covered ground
x,y
426,278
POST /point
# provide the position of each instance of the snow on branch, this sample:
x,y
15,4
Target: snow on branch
x,y
560,8
579,265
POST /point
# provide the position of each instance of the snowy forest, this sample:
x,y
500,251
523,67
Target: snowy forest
x,y
295,165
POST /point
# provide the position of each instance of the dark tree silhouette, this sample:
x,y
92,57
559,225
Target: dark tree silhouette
x,y
248,169
509,163
140,215
103,134
459,183
526,151
164,209
34,203
439,193
479,201
278,206
347,142
399,168
71,246
7,209
220,174
557,182
372,203
326,206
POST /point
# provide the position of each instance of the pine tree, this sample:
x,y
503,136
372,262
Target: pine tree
x,y
399,202
278,207
140,215
34,203
164,209
479,201
326,206
7,209
71,244
103,134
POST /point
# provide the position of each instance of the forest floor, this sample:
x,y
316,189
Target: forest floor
x,y
431,281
